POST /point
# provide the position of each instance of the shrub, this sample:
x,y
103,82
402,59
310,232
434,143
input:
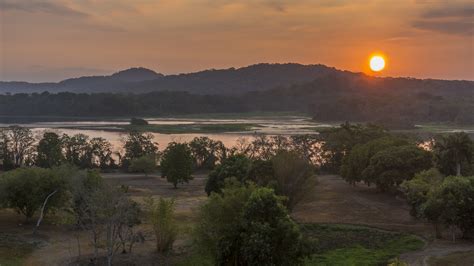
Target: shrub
x,y
25,189
144,164
161,217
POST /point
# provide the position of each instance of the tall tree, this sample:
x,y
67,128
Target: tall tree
x,y
6,156
207,152
338,142
390,167
138,144
452,151
78,150
49,150
102,152
358,159
294,177
20,144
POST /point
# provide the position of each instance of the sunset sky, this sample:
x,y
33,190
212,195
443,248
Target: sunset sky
x,y
49,40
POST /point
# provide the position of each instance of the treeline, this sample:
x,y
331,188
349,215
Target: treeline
x,y
19,147
393,103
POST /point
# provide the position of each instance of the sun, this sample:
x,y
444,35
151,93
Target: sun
x,y
377,63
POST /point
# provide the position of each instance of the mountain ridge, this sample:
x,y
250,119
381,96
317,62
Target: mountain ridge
x,y
230,81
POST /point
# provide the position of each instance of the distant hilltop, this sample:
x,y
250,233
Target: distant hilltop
x,y
231,81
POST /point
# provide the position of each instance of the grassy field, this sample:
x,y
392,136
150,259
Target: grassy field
x,y
356,245
14,249
335,244
454,259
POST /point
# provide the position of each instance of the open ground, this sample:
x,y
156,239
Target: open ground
x,y
333,201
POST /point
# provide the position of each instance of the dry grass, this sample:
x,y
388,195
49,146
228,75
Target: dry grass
x,y
334,201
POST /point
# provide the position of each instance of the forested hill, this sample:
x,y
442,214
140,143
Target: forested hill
x,y
260,77
335,97
323,92
225,81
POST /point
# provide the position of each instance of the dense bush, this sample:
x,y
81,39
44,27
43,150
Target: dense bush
x,y
25,189
236,166
244,225
145,164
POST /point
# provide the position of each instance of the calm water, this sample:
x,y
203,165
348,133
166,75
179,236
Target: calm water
x,y
270,126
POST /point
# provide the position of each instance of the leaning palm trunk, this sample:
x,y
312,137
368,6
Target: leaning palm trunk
x,y
42,211
458,168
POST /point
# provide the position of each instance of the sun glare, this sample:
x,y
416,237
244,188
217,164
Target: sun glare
x,y
377,63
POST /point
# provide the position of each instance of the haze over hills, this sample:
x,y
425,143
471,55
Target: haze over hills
x,y
225,81
320,91
230,81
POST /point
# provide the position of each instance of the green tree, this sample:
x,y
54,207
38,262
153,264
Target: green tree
x,y
261,173
390,167
244,225
452,203
137,145
269,236
234,166
418,188
358,159
25,189
177,163
102,151
144,164
207,152
338,142
78,150
49,150
453,151
294,177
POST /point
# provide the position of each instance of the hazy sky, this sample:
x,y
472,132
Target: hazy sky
x,y
49,40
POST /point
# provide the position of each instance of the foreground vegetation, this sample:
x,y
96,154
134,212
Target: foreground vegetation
x,y
252,190
356,245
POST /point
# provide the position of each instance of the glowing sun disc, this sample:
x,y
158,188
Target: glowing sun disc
x,y
377,63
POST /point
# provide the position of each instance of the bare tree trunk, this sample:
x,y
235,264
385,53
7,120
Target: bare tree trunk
x,y
78,246
454,233
96,245
458,168
42,211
